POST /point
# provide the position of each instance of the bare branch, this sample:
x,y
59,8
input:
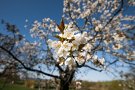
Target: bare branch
x,y
92,68
25,67
59,67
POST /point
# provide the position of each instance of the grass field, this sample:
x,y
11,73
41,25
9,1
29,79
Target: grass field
x,y
110,85
14,87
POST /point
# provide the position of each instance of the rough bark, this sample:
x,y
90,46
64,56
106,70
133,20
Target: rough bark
x,y
64,85
66,79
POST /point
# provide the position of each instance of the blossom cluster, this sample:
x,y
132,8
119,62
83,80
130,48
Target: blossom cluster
x,y
72,46
93,26
42,29
85,8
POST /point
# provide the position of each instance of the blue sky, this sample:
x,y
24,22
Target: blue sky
x,y
17,11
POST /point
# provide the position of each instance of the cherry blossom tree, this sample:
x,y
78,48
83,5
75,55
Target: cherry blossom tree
x,y
87,28
129,79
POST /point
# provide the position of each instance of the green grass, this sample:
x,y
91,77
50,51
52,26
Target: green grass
x,y
15,87
108,85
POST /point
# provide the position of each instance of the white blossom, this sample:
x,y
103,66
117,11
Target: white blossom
x,y
102,60
69,61
117,46
87,47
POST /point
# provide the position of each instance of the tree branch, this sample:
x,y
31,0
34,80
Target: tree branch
x,y
25,67
92,68
119,10
112,63
59,67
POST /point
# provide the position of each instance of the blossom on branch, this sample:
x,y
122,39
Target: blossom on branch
x,y
72,45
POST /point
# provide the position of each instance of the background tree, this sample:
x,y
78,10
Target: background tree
x,y
88,34
129,79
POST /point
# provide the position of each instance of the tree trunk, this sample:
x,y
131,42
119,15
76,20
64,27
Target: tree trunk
x,y
66,79
64,85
